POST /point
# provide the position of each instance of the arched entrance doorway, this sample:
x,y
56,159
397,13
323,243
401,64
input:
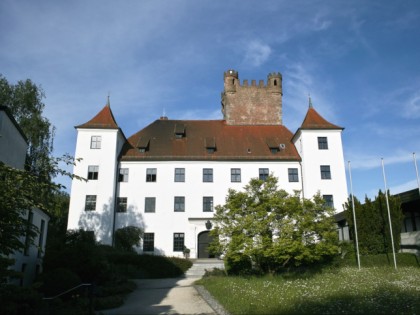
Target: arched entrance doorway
x,y
204,239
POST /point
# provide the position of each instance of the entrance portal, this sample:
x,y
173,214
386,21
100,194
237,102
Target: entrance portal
x,y
204,239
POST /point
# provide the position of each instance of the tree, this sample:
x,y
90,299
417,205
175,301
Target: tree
x,y
274,229
373,231
24,100
127,237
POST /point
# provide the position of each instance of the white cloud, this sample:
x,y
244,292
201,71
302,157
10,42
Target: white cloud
x,y
256,53
412,107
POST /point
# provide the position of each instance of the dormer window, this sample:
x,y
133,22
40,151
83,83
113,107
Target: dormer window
x,y
179,131
273,144
143,145
210,145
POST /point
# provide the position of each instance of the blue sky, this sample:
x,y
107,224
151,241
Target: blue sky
x,y
359,61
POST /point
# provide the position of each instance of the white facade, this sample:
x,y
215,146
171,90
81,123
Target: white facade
x,y
306,142
155,178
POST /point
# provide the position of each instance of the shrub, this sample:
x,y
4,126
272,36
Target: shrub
x,y
127,237
238,265
59,280
19,301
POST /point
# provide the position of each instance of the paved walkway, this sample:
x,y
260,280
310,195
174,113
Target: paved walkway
x,y
172,295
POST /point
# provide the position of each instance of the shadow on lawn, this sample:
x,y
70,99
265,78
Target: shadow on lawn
x,y
379,302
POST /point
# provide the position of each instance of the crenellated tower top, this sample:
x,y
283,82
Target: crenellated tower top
x,y
252,104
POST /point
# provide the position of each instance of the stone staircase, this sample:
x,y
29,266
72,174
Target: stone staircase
x,y
200,266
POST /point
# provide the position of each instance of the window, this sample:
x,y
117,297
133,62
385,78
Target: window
x,y
123,176
325,172
95,142
180,174
148,242
121,204
235,175
179,242
151,175
41,238
90,203
207,175
322,143
263,173
329,201
179,204
293,175
93,171
150,204
208,204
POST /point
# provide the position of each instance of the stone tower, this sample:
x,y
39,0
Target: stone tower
x,y
252,104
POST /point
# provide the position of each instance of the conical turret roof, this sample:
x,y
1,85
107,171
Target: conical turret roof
x,y
313,120
103,120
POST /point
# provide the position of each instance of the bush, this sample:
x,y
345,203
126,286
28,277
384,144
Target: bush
x,y
238,265
19,301
127,237
148,266
59,280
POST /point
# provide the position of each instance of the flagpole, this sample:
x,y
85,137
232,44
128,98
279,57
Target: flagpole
x,y
389,214
354,217
417,171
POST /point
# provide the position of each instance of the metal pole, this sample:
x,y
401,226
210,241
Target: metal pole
x,y
354,217
389,214
417,171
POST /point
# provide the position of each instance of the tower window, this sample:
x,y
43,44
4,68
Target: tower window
x,y
275,82
90,203
329,201
322,143
325,172
93,171
95,142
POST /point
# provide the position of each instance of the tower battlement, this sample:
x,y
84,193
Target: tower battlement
x,y
252,104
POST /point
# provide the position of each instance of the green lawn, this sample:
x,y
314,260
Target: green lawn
x,y
347,290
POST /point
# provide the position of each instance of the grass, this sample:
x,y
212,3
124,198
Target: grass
x,y
346,290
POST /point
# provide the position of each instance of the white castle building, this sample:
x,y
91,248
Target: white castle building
x,y
168,177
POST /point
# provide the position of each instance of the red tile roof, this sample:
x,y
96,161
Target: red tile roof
x,y
162,142
313,120
103,120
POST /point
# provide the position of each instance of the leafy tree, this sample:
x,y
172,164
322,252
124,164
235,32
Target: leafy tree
x,y
272,228
24,100
373,225
127,237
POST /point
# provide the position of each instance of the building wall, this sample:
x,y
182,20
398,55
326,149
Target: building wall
x,y
306,143
12,145
100,220
164,222
29,261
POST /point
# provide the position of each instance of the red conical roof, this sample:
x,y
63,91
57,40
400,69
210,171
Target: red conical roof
x,y
313,120
103,120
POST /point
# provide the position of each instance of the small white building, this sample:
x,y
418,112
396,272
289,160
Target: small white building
x,y
168,177
13,147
